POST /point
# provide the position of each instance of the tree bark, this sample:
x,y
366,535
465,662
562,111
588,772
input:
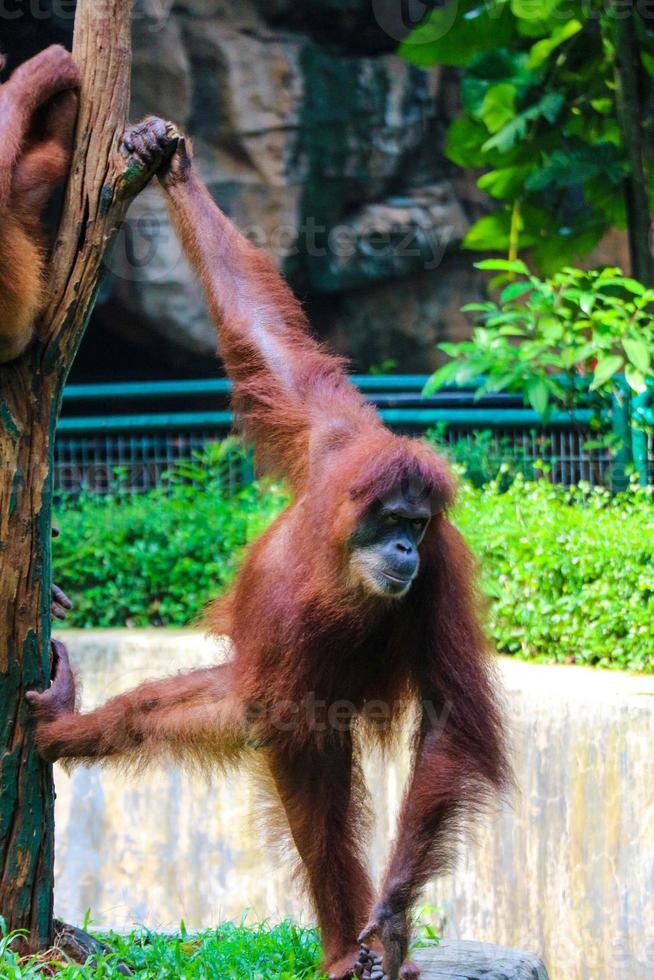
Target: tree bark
x,y
100,186
631,114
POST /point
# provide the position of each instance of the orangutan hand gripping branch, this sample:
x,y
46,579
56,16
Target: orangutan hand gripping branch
x,y
357,601
38,107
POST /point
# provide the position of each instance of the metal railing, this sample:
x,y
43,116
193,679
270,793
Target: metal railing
x,y
106,443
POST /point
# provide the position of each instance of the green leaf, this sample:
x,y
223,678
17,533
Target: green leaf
x,y
538,395
424,45
586,303
441,377
504,183
455,33
638,353
489,233
568,357
604,105
635,379
631,285
514,290
464,141
648,62
548,107
530,11
576,163
552,329
479,307
503,265
541,51
605,369
493,232
498,107
489,68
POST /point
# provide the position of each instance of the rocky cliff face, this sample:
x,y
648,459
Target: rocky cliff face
x,y
326,148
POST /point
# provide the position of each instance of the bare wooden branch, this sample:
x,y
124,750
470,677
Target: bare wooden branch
x,y
96,197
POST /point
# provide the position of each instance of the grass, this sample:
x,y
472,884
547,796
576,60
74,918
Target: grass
x,y
232,951
284,952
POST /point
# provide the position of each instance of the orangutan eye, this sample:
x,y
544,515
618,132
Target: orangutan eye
x,y
391,518
419,523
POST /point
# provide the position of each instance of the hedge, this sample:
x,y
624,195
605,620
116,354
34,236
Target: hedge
x,y
569,572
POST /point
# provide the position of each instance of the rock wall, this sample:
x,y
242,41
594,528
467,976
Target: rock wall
x,y
564,868
326,148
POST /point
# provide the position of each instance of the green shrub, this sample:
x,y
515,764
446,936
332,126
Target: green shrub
x,y
156,559
569,572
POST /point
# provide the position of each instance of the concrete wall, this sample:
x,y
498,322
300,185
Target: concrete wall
x,y
565,869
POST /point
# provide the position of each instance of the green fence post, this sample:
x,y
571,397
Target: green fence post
x,y
247,467
621,426
639,441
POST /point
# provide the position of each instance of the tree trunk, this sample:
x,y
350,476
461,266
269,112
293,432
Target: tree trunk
x,y
631,114
100,186
27,798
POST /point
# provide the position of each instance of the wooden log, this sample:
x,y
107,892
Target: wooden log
x,y
461,960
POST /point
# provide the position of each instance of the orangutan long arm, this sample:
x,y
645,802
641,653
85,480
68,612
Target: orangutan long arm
x,y
190,714
437,791
437,794
285,385
460,760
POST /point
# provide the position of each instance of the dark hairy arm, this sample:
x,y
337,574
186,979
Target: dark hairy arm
x,y
287,388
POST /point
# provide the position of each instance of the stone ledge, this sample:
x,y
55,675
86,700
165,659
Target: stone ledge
x,y
460,960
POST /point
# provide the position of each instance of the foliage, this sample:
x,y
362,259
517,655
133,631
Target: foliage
x,y
387,366
539,113
484,456
554,340
157,559
426,933
570,572
282,952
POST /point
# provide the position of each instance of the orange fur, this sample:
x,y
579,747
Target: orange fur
x,y
38,105
313,652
